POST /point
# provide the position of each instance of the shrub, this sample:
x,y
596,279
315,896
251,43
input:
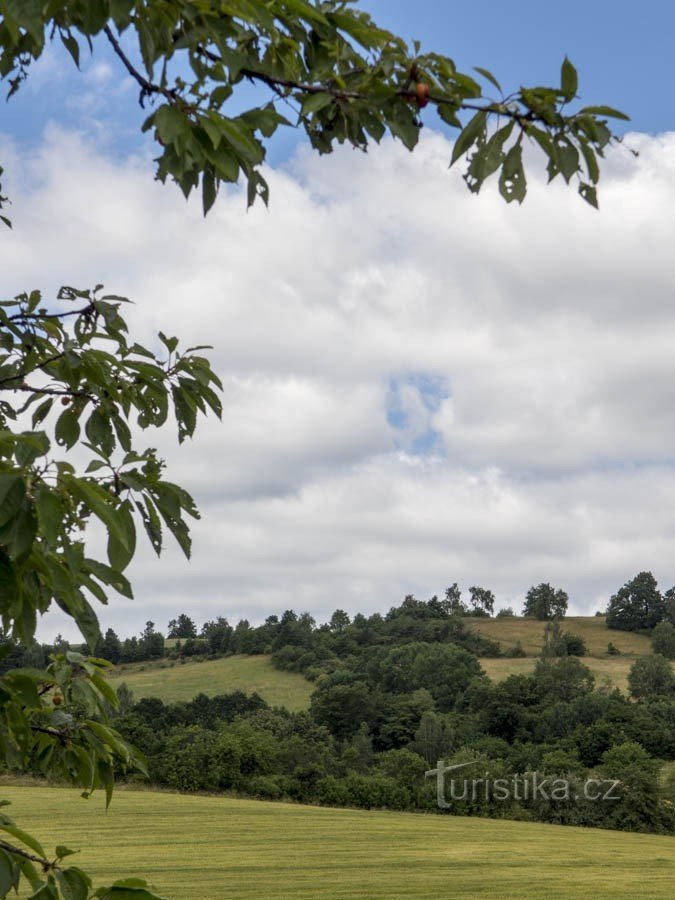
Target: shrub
x,y
663,640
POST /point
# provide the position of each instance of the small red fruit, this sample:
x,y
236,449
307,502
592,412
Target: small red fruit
x,y
65,401
422,93
57,700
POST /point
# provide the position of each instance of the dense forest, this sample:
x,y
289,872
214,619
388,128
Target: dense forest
x,y
396,693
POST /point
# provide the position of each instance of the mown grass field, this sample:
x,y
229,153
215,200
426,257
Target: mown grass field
x,y
217,676
211,848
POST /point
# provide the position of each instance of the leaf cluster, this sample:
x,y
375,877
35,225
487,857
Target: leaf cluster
x,y
323,67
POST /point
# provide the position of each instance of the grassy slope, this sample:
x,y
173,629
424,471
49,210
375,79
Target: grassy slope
x,y
530,633
218,676
210,848
173,682
607,669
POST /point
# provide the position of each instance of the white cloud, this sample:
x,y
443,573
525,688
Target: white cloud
x,y
420,386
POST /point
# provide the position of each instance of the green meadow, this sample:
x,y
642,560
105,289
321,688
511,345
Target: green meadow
x,y
172,681
210,848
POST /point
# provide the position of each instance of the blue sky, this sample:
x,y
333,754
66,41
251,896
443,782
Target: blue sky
x,y
623,52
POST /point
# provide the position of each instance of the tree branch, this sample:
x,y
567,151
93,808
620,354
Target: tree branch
x,y
22,316
24,375
52,732
342,94
147,87
24,854
53,392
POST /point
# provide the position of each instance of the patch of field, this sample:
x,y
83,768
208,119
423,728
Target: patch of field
x,y
176,682
612,671
530,632
209,848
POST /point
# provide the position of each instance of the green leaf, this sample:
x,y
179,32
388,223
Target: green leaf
x,y
589,193
67,430
122,539
74,883
18,534
110,577
25,688
240,138
116,517
25,838
608,111
12,492
171,124
9,583
489,76
512,184
6,874
569,80
99,432
72,47
42,411
209,190
314,103
472,132
49,509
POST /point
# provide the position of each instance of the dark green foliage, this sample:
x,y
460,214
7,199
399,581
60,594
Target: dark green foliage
x,y
651,676
182,627
637,605
516,652
82,382
505,612
562,643
249,69
663,639
482,601
545,602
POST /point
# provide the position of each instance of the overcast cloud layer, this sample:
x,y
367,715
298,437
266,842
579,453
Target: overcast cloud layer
x,y
421,386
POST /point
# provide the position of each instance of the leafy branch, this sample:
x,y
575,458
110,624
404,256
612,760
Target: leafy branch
x,y
348,81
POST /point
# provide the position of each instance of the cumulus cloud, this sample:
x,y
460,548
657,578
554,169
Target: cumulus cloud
x,y
421,386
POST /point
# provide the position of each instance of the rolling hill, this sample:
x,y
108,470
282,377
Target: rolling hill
x,y
173,680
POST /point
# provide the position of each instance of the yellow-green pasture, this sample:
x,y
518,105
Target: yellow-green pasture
x,y
530,632
171,680
214,848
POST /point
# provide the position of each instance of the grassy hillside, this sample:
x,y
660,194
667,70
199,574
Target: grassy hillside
x,y
210,847
612,670
530,633
171,681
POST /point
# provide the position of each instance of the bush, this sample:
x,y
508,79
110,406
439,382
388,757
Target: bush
x,y
505,613
651,676
663,640
574,644
515,652
613,650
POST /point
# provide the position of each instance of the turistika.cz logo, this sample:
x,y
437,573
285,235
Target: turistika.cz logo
x,y
531,786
